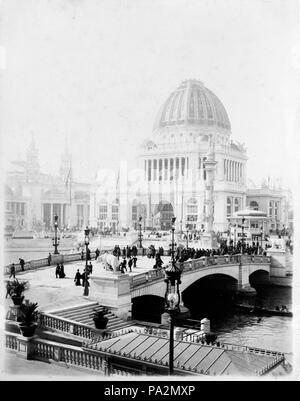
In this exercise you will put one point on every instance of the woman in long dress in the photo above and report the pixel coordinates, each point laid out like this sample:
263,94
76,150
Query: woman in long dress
77,278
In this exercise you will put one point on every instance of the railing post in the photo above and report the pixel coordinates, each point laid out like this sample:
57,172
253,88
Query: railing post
26,347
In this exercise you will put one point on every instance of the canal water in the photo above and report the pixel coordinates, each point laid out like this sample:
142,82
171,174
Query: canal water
233,326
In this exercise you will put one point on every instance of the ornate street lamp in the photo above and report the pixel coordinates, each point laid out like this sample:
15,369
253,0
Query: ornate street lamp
86,241
140,231
187,236
55,239
243,227
229,233
172,296
261,236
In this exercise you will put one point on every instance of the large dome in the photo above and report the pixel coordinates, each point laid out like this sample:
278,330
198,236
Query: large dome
192,104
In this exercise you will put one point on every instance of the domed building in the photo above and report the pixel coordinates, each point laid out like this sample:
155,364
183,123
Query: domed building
191,168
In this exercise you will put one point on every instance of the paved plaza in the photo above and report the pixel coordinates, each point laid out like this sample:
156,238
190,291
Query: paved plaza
54,293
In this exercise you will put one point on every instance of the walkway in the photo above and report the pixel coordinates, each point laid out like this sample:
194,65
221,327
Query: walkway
53,293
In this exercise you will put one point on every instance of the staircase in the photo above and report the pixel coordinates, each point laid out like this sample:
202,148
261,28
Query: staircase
84,314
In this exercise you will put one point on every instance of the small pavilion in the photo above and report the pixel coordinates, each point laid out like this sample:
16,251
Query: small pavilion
256,225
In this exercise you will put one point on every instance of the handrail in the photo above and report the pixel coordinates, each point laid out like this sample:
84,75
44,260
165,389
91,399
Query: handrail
60,258
65,325
196,264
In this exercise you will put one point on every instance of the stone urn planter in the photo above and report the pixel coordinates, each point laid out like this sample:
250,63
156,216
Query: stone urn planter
28,319
17,300
15,289
27,330
100,320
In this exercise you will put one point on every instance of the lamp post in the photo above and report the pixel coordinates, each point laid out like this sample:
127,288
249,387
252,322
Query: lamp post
55,239
187,236
229,233
243,227
261,236
140,231
86,241
172,297
234,235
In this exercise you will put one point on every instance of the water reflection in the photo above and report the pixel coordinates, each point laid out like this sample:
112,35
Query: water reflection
273,332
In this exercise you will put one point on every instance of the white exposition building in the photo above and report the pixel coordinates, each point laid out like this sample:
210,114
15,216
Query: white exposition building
190,168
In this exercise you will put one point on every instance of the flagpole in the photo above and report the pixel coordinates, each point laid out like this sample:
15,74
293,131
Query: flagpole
70,194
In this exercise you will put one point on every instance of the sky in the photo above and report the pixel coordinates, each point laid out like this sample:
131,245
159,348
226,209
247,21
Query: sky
95,73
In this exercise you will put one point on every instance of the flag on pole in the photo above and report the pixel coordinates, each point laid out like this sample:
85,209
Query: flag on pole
68,183
118,180
68,178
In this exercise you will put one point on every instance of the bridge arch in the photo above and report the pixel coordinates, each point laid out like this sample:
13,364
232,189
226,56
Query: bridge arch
148,308
210,294
228,270
260,276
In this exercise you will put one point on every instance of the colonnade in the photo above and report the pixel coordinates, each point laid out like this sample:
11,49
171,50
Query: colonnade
234,171
166,169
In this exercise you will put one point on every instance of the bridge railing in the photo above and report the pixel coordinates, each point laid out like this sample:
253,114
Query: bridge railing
196,264
38,263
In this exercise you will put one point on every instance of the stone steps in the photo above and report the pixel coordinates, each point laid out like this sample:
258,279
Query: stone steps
84,314
79,313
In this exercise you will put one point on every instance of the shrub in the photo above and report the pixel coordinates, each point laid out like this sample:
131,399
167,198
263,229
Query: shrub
29,313
16,288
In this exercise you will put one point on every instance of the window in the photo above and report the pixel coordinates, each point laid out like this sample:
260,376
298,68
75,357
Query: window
236,204
276,207
192,210
103,211
182,166
270,208
204,172
166,170
229,206
149,170
134,213
154,170
254,205
171,169
160,170
115,210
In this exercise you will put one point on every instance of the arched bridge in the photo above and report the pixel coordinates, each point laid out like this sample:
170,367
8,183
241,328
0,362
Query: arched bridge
117,291
238,267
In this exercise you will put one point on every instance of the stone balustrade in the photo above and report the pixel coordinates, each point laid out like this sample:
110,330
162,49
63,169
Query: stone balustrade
44,350
38,263
90,357
11,341
65,325
195,264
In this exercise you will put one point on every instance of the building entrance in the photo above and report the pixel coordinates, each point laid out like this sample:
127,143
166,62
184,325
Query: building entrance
163,214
